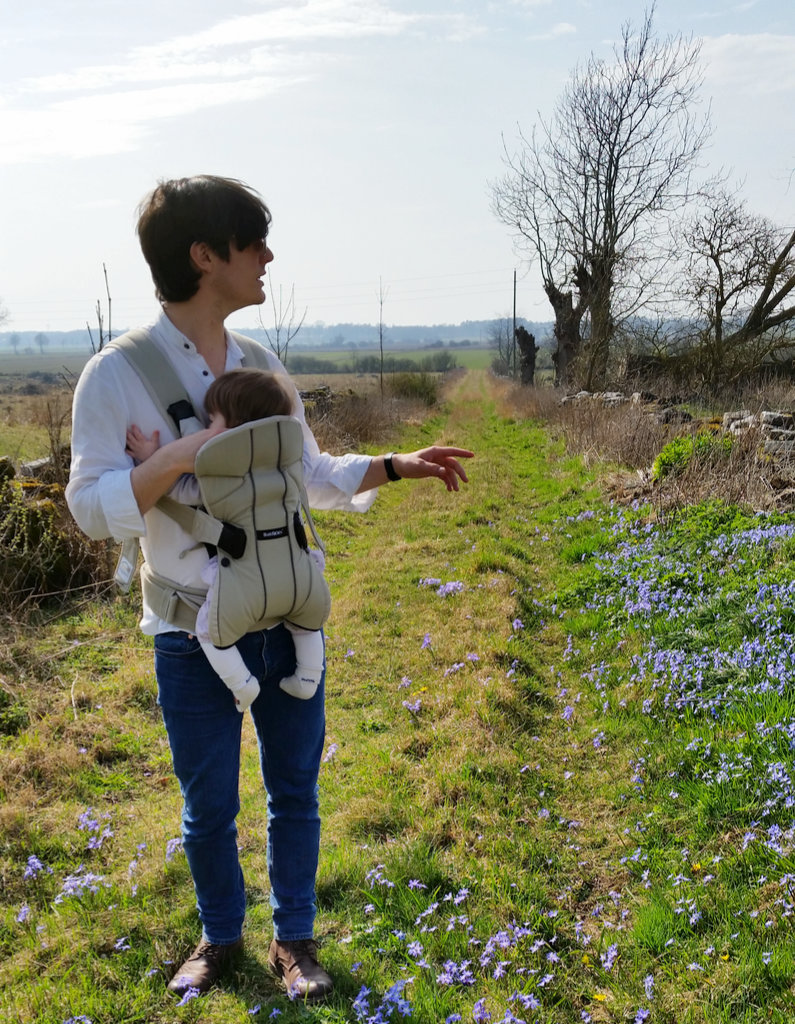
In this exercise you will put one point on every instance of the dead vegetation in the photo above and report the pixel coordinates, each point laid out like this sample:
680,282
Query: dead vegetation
629,436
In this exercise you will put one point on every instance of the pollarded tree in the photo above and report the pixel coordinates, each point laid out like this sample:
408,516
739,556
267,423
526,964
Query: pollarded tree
741,277
588,192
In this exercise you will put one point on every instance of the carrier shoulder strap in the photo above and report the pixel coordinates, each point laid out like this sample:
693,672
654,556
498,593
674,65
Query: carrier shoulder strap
254,354
159,378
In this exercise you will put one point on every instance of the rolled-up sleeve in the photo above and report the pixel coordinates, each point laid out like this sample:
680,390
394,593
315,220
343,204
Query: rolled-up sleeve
332,482
99,493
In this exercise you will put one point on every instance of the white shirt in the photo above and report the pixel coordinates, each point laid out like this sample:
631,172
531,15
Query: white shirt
110,398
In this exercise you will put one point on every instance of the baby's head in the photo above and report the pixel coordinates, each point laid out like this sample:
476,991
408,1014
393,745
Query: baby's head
246,394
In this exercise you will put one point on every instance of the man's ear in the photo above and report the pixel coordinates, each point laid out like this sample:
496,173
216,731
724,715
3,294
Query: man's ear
201,256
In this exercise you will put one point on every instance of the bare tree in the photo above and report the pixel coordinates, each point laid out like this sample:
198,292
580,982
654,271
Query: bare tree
4,314
104,336
15,341
741,273
588,192
286,323
42,341
502,338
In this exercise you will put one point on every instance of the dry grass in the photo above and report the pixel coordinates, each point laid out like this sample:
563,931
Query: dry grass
629,438
354,420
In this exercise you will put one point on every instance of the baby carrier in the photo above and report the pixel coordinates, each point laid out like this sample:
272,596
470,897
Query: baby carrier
252,488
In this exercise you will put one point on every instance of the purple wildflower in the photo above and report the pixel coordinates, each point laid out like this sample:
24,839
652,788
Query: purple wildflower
173,847
34,867
479,1012
190,993
609,958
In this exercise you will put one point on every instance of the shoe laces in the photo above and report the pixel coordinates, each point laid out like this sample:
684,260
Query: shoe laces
209,951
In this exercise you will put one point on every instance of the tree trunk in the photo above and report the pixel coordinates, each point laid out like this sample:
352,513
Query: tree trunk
527,352
597,288
566,332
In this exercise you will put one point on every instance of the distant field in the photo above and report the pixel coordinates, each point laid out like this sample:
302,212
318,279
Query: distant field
469,358
54,361
26,363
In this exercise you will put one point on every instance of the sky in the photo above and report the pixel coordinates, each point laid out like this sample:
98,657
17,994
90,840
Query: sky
372,129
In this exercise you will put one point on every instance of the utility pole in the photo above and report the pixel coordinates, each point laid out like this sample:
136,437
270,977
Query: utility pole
513,334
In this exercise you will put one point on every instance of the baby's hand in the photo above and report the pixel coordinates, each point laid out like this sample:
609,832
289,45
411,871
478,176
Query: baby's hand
139,446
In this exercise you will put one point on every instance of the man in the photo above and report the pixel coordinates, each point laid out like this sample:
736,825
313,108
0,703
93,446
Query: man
205,240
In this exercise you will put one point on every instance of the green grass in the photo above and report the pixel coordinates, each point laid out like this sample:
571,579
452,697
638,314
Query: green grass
468,815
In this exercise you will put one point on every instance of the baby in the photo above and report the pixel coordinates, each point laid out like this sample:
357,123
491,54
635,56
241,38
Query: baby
237,397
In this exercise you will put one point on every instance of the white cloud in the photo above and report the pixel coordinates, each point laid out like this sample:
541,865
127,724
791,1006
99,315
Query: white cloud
113,122
755,65
242,57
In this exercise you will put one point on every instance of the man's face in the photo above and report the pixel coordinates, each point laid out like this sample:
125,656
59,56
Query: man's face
238,281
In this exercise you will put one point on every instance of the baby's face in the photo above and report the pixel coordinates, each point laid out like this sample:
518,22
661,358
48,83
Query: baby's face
217,423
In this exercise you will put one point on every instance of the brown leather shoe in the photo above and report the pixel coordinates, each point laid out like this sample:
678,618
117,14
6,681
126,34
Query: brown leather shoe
296,964
203,967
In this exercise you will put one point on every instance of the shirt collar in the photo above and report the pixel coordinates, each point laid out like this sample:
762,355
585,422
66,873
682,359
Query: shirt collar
174,337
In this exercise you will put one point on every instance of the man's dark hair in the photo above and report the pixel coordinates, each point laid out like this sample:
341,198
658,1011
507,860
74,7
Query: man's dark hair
217,211
247,394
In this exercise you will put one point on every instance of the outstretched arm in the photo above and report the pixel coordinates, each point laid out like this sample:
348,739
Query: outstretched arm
436,461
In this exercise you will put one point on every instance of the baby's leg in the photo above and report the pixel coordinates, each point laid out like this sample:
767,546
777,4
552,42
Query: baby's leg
309,663
229,665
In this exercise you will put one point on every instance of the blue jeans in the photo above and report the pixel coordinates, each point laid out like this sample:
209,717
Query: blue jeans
204,730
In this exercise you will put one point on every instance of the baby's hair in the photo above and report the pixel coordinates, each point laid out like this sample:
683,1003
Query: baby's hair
247,394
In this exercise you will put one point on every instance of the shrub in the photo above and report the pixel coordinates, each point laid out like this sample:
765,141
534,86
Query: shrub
42,553
419,387
678,454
